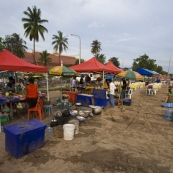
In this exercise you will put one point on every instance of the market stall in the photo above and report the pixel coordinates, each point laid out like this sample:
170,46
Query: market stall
64,72
12,63
94,66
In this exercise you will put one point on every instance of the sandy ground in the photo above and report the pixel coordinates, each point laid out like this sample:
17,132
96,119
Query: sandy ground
135,139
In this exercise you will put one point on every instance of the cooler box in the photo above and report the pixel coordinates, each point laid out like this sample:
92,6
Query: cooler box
100,98
24,138
102,102
84,99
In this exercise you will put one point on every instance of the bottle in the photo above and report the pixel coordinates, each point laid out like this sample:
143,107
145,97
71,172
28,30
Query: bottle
49,132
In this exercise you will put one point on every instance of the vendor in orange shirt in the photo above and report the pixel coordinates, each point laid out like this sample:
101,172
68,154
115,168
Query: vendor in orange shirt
31,93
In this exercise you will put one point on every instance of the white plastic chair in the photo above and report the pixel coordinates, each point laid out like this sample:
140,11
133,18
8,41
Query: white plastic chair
129,94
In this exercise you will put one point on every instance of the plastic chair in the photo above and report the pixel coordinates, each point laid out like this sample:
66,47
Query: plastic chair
129,94
37,109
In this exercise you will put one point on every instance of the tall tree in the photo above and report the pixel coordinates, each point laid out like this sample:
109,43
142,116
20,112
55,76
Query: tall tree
115,61
15,44
60,43
101,58
33,26
44,58
95,47
1,44
144,62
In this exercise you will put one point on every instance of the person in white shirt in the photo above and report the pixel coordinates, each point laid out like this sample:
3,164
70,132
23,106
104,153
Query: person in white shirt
112,93
74,83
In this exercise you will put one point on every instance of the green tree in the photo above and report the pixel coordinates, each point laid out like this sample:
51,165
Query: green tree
33,26
115,61
44,58
15,44
159,69
95,47
1,44
144,62
77,61
60,43
101,58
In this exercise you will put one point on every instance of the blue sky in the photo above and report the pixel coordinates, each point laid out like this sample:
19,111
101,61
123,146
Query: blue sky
126,28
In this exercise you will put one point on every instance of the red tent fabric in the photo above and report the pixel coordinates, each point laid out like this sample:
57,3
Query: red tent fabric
92,65
11,62
110,65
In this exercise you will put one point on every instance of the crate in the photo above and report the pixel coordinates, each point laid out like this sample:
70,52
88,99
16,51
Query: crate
24,138
4,120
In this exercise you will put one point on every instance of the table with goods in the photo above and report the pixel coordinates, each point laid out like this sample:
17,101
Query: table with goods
12,103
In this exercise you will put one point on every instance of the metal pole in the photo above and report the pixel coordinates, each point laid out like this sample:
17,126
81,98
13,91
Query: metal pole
168,74
47,85
79,47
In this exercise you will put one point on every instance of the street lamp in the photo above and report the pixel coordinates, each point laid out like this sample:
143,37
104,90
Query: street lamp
122,61
79,46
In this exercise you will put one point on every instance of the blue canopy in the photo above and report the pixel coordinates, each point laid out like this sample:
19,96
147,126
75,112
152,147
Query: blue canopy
146,72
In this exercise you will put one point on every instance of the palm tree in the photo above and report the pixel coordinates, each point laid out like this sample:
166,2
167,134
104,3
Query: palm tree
95,47
101,58
33,25
60,43
15,44
44,58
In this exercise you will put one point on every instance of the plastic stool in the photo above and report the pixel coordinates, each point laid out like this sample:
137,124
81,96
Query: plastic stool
61,105
49,108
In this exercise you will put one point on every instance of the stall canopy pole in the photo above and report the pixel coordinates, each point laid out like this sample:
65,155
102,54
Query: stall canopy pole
103,79
47,86
61,91
168,74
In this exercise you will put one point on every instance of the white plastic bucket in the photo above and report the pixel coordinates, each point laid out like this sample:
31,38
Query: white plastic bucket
68,131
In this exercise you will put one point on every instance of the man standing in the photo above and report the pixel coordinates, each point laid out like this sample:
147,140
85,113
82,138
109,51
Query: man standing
112,93
123,92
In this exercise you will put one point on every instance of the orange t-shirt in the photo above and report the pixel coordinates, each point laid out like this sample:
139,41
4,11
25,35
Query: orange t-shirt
32,91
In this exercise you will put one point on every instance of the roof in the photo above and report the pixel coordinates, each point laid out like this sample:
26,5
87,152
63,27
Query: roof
66,60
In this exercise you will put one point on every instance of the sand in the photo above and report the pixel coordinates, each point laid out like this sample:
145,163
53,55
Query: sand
132,139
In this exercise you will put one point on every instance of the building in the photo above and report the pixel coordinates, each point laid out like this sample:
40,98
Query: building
65,59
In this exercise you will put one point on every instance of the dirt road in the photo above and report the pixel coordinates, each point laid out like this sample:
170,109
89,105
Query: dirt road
132,139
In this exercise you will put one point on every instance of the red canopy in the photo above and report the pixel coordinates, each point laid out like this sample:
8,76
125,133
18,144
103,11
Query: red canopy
111,66
92,65
11,62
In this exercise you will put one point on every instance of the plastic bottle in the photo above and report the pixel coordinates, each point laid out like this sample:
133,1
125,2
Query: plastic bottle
49,132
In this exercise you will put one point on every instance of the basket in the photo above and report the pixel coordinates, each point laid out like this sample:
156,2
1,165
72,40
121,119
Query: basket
127,102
